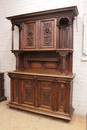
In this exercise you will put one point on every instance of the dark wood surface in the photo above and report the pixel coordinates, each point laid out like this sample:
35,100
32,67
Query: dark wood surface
2,96
43,79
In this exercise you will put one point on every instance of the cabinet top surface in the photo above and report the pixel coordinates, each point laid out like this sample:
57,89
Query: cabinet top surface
57,75
72,9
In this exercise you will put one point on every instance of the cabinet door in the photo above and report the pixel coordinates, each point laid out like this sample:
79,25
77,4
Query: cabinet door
46,95
47,34
29,35
28,92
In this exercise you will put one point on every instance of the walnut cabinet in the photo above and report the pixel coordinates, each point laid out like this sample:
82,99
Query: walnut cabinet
43,80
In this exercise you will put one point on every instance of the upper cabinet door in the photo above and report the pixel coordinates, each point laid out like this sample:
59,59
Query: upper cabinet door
47,35
29,35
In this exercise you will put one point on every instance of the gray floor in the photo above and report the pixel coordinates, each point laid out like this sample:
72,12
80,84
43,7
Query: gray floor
12,119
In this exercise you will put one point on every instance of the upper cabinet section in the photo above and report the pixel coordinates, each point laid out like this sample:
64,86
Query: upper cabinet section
46,30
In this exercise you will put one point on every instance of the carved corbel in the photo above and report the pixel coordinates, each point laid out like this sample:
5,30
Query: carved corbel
63,55
17,53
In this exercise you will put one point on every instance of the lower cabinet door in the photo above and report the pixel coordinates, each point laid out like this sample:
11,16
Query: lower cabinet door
28,92
46,95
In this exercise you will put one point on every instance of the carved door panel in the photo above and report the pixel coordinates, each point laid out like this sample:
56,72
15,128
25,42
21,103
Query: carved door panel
46,95
29,35
28,92
15,88
47,34
63,97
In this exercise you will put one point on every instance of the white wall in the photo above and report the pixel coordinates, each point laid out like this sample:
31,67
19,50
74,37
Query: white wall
7,59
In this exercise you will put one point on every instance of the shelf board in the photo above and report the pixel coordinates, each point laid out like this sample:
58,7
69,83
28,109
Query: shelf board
44,73
30,50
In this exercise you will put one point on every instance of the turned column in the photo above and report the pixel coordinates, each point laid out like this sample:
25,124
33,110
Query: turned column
20,33
12,36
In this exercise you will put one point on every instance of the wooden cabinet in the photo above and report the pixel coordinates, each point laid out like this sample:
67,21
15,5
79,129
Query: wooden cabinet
43,79
2,97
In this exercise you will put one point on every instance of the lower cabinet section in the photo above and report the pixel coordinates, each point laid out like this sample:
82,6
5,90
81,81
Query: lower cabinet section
45,95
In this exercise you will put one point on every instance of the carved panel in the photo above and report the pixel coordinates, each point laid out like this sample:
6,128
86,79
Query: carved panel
28,92
46,94
28,95
62,97
29,35
47,35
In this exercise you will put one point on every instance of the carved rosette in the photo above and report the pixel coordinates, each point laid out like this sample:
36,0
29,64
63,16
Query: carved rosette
47,33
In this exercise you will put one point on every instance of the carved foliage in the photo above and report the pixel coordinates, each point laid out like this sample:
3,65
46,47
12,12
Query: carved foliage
46,93
28,93
47,33
30,34
46,98
28,88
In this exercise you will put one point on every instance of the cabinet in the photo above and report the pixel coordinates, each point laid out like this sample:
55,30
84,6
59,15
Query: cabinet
2,97
43,80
